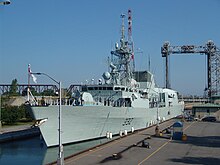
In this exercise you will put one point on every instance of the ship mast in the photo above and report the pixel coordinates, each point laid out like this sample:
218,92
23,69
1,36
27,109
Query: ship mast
122,29
130,39
121,72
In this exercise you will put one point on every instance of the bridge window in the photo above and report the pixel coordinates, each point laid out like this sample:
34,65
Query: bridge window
117,88
109,88
84,88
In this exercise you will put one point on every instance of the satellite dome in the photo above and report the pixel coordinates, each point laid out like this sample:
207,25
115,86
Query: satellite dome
106,75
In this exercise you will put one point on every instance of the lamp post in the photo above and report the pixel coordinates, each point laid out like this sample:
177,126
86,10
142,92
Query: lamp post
0,111
60,159
2,3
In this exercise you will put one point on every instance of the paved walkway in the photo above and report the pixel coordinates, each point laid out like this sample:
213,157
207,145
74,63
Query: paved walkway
7,129
13,133
202,147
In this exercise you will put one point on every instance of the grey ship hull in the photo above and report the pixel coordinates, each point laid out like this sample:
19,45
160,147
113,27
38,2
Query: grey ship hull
81,123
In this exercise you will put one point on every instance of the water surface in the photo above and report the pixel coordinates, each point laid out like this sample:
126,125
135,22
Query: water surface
34,152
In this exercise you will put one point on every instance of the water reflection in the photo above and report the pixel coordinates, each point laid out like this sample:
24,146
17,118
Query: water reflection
52,153
28,151
33,151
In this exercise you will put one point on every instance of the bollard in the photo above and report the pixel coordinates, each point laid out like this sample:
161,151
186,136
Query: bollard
184,137
120,133
157,131
107,135
110,135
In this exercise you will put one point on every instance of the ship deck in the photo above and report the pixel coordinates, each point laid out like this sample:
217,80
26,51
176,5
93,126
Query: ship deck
201,147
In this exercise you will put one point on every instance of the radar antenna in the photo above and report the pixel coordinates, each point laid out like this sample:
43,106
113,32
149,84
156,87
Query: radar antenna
130,39
121,70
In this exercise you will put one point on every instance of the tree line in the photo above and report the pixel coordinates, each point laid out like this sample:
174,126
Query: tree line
11,115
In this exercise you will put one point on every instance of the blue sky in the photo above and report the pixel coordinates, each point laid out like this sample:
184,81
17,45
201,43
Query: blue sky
71,39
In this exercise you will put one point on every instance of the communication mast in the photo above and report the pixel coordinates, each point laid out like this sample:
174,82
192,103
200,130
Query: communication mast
130,40
129,25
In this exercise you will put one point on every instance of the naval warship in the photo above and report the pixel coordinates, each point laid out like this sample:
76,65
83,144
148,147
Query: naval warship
123,101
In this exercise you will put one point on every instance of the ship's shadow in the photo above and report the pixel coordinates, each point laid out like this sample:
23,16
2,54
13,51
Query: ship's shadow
198,160
205,141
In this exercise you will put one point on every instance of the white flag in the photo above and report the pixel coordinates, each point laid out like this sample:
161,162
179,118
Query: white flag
33,76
